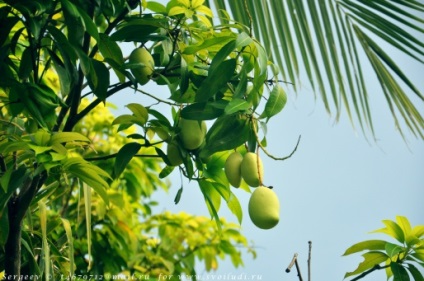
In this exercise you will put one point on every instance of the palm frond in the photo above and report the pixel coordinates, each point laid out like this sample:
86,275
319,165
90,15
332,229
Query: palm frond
335,43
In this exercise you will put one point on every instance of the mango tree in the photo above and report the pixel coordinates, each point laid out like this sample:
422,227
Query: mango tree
76,181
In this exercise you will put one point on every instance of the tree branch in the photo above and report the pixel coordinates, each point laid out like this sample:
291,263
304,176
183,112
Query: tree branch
365,273
91,106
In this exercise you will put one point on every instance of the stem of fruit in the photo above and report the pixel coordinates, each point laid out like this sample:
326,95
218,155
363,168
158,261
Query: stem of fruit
269,154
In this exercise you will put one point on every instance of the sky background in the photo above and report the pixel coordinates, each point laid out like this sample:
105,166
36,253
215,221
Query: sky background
336,188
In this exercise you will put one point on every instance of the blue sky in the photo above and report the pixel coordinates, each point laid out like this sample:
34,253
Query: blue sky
335,189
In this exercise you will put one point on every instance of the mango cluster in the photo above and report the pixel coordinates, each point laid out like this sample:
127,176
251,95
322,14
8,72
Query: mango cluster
264,206
249,168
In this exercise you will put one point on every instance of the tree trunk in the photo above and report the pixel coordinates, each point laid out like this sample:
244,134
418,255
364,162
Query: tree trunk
13,243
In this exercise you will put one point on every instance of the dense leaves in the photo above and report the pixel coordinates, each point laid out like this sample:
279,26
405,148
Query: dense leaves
398,260
77,180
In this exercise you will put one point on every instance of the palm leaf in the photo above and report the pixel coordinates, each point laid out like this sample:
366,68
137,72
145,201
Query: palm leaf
332,44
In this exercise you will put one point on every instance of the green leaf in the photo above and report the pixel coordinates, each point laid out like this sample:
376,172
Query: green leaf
88,173
139,111
201,111
65,137
138,32
393,250
371,259
74,22
418,231
25,67
207,43
111,50
399,272
89,25
392,229
228,132
166,171
178,195
236,105
276,102
235,207
68,231
217,79
124,156
365,245
87,204
416,274
127,119
212,199
99,79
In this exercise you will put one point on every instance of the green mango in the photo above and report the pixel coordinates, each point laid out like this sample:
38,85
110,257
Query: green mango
173,153
252,169
143,71
264,208
232,168
192,133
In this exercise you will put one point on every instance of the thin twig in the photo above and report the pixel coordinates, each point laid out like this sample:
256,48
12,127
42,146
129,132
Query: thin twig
309,260
291,263
154,97
298,270
269,154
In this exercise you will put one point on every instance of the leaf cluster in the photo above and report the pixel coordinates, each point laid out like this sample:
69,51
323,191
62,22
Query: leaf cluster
401,260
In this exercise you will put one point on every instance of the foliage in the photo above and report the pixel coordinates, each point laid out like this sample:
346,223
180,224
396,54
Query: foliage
75,180
399,260
337,45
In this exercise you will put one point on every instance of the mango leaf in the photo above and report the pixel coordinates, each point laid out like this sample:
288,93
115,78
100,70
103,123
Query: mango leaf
87,205
235,207
212,199
65,137
9,147
111,50
74,22
68,231
124,156
393,250
399,272
88,173
371,259
25,66
236,105
139,111
228,132
217,78
89,25
178,195
134,33
99,79
207,43
416,274
201,111
166,171
276,102
262,60
418,231
366,245
392,229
